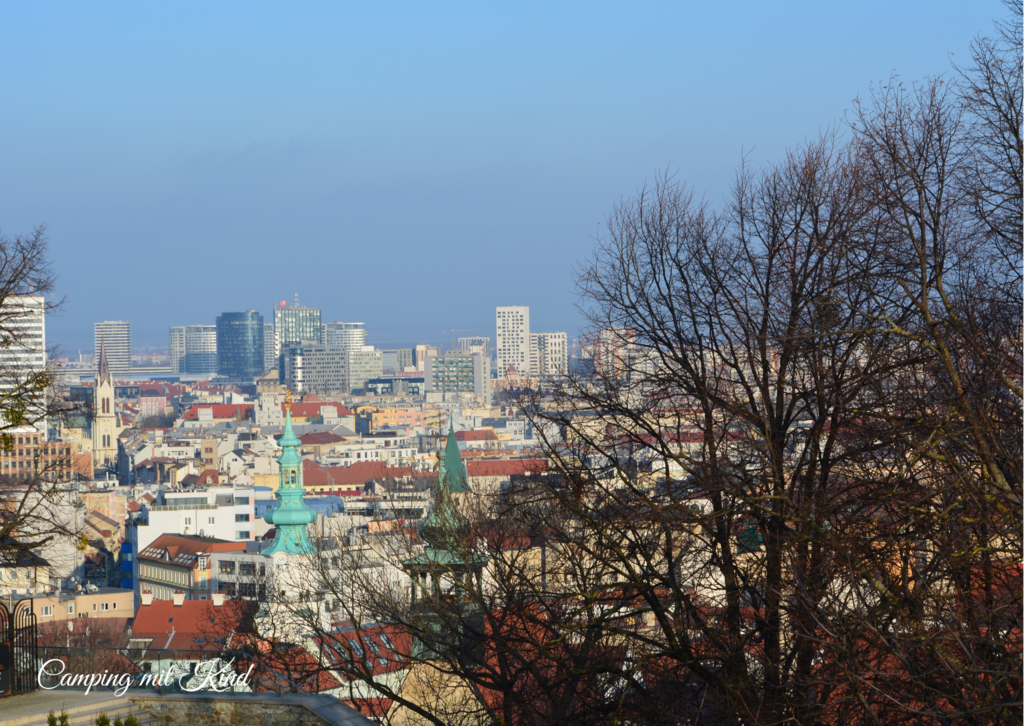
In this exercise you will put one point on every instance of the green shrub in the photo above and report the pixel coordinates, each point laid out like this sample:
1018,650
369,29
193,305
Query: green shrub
103,720
65,719
118,721
130,720
51,718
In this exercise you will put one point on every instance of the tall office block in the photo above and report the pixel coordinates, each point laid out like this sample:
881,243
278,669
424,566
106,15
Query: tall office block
193,349
549,354
25,358
293,326
116,336
513,340
240,345
351,336
475,344
269,359
459,373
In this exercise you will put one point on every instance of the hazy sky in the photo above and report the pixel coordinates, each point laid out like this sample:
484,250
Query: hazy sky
407,165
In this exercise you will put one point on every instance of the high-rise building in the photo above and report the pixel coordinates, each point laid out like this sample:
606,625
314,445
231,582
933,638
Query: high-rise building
396,360
240,345
269,358
25,357
116,337
343,335
293,326
549,354
420,354
513,340
313,367
475,344
193,349
459,373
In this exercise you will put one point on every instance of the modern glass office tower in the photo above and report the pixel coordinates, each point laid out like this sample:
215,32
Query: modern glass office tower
193,349
240,344
293,326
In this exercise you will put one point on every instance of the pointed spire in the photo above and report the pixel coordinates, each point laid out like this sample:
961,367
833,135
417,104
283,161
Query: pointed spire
291,515
451,472
103,370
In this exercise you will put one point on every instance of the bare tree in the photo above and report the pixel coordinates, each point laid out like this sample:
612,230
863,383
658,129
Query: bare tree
30,398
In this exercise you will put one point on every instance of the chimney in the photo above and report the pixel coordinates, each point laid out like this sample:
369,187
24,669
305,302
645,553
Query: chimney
147,597
218,599
179,598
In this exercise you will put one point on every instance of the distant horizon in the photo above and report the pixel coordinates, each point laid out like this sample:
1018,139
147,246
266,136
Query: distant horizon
411,169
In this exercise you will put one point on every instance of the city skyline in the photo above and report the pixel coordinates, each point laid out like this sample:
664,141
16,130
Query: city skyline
480,133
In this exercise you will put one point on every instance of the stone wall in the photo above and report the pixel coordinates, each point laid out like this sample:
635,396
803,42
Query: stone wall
226,709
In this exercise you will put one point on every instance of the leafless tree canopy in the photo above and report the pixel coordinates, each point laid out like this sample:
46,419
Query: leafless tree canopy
789,491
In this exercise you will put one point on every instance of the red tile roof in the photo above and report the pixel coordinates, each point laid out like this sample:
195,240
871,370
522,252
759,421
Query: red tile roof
321,437
184,551
312,409
477,435
209,476
220,410
196,624
506,467
314,475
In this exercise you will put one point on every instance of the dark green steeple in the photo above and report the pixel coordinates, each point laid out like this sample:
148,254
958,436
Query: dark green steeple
450,468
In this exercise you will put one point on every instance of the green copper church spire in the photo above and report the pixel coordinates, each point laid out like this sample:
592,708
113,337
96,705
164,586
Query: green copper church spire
450,469
291,515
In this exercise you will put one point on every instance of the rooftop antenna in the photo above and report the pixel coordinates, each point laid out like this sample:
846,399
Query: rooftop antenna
296,298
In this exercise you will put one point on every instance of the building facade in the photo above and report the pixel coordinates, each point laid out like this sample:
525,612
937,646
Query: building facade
476,344
24,359
193,349
269,354
116,335
240,345
512,346
343,335
396,360
459,373
295,325
315,368
549,353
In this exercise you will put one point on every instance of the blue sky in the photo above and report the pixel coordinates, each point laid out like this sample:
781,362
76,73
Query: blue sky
407,165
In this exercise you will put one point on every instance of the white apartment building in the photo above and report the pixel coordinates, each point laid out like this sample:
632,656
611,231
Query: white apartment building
343,335
549,353
25,357
193,349
513,339
269,354
222,512
116,337
476,344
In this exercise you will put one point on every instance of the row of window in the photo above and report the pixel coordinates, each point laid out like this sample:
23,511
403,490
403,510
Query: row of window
47,610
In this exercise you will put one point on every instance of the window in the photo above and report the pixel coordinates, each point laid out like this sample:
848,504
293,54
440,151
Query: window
241,500
241,517
47,611
94,607
226,567
247,568
242,534
188,521
106,607
114,606
71,608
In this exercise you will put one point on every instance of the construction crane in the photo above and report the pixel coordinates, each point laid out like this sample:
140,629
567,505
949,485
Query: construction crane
461,330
